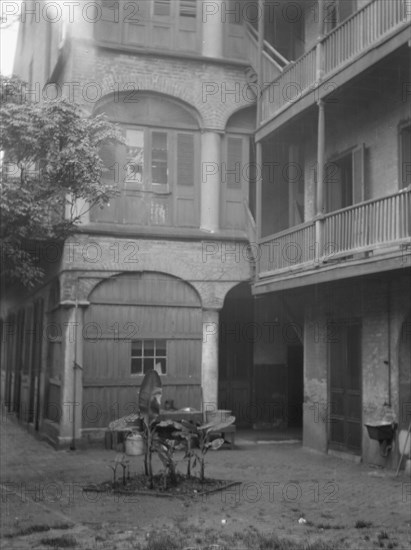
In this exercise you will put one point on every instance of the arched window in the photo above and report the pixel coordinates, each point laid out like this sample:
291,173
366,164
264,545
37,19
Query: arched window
156,170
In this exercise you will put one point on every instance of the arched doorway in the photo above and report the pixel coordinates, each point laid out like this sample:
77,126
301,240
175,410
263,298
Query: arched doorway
137,322
236,353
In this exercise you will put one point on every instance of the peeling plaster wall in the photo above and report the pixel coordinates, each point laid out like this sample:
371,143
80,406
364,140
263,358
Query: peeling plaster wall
382,305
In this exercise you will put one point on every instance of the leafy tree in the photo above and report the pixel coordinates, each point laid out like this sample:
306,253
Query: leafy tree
51,174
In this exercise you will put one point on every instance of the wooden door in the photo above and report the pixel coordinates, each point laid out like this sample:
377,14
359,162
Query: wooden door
345,387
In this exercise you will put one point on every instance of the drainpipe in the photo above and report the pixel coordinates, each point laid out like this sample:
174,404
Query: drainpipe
388,362
73,439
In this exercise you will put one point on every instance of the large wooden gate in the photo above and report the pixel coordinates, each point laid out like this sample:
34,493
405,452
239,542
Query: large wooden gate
135,322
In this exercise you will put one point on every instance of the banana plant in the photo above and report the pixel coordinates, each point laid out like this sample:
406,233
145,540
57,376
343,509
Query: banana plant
203,435
149,401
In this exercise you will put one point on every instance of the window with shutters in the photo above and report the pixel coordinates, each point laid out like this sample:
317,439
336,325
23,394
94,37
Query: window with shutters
157,169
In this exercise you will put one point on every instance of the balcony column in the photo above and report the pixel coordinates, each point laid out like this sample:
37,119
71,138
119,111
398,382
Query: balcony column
320,176
210,180
209,359
261,4
213,18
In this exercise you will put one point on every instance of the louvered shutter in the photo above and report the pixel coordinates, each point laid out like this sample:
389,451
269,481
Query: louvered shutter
185,159
234,162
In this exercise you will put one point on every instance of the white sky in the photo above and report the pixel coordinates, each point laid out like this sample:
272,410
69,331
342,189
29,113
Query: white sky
8,38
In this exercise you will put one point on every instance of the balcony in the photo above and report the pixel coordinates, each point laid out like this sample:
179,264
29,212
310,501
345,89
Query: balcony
351,39
372,228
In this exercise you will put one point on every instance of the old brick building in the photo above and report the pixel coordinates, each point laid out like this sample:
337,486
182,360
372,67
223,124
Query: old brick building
295,114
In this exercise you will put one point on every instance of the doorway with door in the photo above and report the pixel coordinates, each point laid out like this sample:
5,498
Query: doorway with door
345,414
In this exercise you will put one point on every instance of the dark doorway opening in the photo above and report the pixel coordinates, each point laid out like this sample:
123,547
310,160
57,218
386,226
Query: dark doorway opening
236,353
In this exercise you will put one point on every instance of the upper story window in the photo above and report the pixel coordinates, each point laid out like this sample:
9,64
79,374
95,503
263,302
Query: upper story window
157,170
158,24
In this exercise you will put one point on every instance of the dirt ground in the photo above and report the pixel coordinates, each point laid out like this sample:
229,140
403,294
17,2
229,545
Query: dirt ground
343,504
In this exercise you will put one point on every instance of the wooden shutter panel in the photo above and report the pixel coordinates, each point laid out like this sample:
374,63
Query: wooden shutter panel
185,159
234,162
358,173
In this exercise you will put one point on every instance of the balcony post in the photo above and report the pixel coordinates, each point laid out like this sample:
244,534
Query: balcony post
213,18
260,60
210,180
259,186
320,176
319,48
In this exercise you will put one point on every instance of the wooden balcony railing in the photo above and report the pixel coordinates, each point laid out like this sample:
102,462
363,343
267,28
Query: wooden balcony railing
290,85
287,249
356,34
364,226
360,31
369,226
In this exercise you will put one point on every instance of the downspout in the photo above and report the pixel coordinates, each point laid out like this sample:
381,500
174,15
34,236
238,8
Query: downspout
388,361
75,367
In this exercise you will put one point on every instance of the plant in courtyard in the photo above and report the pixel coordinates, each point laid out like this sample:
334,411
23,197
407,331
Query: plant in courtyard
51,175
121,461
203,434
149,403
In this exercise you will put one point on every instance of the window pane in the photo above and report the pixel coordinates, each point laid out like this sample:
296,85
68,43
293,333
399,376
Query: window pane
161,365
148,348
136,348
159,158
161,348
148,364
135,155
136,366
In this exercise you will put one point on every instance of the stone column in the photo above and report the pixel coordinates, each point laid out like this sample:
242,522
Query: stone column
212,18
209,359
210,180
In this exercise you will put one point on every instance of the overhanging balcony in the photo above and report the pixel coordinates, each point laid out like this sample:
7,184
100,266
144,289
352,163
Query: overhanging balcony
364,232
370,26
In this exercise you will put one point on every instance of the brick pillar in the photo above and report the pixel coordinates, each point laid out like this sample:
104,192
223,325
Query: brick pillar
209,359
210,180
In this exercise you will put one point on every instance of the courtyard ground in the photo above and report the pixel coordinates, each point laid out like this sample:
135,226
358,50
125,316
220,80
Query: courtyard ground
289,498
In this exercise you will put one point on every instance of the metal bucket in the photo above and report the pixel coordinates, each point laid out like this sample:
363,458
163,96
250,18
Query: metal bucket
134,445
